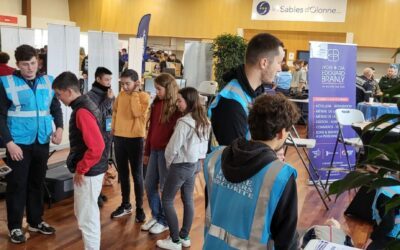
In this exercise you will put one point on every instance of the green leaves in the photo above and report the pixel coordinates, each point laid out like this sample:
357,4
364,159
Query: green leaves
228,52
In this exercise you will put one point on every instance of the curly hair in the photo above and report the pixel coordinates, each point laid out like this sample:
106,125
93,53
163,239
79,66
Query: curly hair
270,114
168,82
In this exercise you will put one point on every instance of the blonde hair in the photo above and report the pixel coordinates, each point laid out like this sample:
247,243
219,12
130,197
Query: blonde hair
168,82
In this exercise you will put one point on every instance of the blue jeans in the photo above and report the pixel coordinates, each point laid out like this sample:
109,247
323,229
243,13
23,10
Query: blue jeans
155,174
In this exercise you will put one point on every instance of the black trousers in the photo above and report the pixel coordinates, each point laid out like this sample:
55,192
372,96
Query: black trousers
129,151
25,185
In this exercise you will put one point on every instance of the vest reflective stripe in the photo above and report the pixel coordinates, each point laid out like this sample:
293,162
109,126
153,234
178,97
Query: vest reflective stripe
262,203
12,89
211,167
27,113
258,224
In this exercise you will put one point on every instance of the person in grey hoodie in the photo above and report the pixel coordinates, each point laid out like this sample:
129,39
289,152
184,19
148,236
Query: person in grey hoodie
186,147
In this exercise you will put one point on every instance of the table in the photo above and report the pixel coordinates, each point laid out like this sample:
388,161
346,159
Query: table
375,110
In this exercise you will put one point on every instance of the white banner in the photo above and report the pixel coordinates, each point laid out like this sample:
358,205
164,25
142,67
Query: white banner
136,49
197,59
103,52
300,10
13,37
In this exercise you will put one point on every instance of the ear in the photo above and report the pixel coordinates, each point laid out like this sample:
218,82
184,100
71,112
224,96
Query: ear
263,62
280,135
98,79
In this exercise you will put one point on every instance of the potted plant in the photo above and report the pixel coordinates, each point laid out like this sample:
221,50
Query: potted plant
385,156
228,52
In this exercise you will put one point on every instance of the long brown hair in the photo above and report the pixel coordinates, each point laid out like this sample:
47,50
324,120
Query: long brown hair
168,82
194,107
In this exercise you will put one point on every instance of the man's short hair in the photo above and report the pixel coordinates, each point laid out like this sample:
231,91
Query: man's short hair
298,62
25,53
261,46
101,71
66,80
4,57
270,114
285,67
131,74
124,50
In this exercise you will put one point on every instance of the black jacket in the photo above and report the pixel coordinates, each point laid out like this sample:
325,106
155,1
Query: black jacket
228,119
98,94
244,159
77,144
5,103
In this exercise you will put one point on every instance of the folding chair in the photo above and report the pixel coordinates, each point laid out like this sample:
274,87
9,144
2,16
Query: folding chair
305,144
346,117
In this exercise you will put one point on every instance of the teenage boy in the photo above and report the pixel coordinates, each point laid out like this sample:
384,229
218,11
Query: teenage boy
252,194
87,158
27,108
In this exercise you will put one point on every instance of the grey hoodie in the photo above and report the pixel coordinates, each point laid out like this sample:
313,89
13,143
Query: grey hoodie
185,145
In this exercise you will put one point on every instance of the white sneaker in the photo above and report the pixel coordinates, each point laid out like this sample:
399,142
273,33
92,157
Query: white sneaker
146,226
158,228
185,242
169,244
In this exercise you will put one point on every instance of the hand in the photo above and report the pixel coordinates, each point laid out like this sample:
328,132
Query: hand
110,94
112,131
137,86
15,151
79,179
56,137
145,160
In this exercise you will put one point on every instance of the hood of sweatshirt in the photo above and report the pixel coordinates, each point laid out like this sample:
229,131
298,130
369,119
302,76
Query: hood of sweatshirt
243,159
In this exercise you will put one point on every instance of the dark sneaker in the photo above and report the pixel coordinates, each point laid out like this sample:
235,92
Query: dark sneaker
122,210
42,228
140,216
17,236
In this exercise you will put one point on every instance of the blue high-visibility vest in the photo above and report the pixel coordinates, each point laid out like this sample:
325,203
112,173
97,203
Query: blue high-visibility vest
388,191
29,116
239,215
234,91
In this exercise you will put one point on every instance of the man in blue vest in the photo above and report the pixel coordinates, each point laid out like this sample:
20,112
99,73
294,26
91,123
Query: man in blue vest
252,194
27,109
229,110
387,227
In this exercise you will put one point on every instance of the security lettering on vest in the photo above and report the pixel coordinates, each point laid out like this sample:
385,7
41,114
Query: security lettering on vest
244,188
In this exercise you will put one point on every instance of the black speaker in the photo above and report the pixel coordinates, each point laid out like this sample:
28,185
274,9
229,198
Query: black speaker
59,183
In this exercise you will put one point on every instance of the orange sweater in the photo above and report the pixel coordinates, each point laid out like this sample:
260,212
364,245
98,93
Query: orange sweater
130,114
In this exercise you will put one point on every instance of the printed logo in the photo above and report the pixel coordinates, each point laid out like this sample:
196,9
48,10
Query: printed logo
333,55
263,8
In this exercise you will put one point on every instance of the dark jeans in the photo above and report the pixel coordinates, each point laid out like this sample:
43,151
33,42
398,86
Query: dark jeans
25,185
286,92
130,150
180,176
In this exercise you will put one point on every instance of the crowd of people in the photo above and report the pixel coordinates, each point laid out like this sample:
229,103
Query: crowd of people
251,195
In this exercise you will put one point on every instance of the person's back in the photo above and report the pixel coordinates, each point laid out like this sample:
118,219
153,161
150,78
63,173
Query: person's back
5,70
283,80
229,111
252,195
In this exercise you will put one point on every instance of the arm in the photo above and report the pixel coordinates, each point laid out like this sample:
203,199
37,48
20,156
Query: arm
284,220
114,115
229,121
147,145
93,139
139,104
176,141
56,112
4,106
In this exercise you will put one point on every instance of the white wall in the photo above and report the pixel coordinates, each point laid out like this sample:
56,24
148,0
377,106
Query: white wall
53,9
